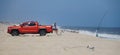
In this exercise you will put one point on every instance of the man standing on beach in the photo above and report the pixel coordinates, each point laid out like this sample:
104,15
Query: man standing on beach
55,28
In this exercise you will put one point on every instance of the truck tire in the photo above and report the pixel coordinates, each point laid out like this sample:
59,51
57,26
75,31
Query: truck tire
42,32
15,33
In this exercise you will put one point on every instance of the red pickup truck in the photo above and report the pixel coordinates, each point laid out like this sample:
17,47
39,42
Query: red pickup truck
30,27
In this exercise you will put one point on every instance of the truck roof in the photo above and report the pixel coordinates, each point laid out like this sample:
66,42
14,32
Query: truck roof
30,21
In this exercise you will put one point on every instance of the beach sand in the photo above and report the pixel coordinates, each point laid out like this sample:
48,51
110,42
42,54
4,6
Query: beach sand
66,44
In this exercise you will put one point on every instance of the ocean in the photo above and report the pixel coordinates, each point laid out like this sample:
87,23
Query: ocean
103,32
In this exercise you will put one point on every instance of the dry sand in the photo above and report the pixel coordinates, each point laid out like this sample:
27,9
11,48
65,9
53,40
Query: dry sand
66,44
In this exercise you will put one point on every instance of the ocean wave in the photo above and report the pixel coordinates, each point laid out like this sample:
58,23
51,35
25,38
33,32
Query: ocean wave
87,32
101,35
111,36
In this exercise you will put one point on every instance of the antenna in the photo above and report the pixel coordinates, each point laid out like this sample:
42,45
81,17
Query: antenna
101,20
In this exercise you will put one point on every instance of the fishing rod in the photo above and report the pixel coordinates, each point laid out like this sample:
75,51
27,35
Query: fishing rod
99,24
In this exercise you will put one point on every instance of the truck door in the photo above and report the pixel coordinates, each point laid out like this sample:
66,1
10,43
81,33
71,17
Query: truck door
30,27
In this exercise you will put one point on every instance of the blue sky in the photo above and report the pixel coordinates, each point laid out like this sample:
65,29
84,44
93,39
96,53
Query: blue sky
64,12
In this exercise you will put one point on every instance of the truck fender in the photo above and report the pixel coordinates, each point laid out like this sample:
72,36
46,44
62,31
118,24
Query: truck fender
42,29
15,30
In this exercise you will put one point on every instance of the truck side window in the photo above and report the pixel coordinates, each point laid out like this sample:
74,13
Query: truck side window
32,24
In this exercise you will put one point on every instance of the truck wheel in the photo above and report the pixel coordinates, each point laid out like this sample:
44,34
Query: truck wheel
42,32
15,33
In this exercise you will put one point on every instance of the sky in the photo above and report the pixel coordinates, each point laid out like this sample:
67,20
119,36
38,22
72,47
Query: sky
87,13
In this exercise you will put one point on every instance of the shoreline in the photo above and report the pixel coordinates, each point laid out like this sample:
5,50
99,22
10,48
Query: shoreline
117,37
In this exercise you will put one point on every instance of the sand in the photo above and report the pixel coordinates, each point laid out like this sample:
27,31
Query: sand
66,44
